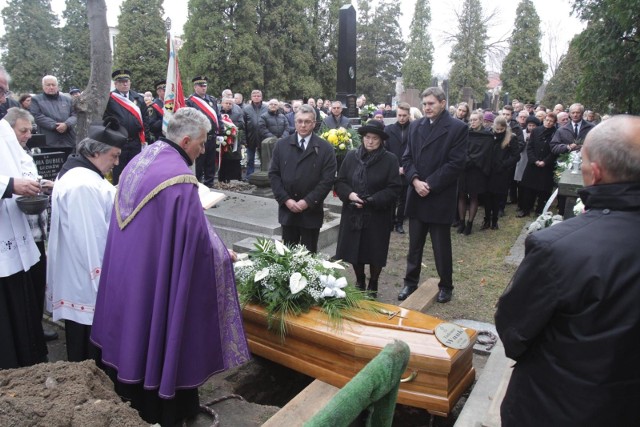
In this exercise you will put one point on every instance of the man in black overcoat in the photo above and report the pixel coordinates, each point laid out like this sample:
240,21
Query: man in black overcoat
434,159
302,172
397,143
569,317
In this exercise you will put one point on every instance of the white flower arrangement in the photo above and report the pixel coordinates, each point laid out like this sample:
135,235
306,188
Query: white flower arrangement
291,280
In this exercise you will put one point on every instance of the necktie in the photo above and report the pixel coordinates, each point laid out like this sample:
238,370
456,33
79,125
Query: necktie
302,144
575,130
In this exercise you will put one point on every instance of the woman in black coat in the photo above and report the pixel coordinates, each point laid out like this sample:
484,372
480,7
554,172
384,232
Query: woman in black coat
368,185
473,180
504,156
537,180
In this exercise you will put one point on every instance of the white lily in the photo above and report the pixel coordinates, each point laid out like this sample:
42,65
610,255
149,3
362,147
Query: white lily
334,265
333,286
297,282
261,274
280,247
243,263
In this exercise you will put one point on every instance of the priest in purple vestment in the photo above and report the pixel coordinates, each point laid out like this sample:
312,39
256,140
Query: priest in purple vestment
167,313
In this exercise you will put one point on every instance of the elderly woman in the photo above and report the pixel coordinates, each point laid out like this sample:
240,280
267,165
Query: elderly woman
368,185
21,331
537,180
22,123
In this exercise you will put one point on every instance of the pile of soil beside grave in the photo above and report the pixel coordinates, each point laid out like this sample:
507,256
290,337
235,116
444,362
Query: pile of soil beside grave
62,394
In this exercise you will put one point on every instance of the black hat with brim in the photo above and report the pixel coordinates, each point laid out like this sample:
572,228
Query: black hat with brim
121,74
109,132
160,84
373,126
199,80
74,90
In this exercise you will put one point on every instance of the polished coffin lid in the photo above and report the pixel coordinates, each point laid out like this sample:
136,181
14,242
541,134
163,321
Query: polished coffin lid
316,347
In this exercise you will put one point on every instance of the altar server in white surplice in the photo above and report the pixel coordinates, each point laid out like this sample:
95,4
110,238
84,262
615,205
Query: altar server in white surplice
81,203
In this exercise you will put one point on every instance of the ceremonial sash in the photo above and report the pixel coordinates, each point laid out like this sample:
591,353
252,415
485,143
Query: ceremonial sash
158,109
132,108
206,109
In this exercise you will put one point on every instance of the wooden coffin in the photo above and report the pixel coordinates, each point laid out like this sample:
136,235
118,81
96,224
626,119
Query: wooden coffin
313,346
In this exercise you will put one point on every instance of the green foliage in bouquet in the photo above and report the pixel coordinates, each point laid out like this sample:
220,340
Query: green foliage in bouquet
288,281
341,139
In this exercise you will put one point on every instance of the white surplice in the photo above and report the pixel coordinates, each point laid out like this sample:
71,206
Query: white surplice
82,201
18,251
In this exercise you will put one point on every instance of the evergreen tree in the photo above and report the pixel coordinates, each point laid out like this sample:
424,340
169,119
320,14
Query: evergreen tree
75,66
251,44
219,42
609,55
563,86
285,40
468,53
324,18
141,43
416,72
30,42
523,68
380,49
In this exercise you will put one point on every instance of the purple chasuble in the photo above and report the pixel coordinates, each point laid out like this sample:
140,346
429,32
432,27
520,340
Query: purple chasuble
167,312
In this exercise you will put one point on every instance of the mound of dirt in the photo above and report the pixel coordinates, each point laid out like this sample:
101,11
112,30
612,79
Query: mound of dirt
62,394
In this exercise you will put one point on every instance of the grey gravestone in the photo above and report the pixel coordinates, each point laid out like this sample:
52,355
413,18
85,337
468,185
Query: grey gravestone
346,76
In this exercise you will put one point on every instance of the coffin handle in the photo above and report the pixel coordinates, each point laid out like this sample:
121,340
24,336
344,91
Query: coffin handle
410,378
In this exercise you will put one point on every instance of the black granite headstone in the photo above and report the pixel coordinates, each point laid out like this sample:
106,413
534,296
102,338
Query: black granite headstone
346,78
49,164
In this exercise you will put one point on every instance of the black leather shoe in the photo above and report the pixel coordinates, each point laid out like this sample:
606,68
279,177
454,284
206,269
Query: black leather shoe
461,227
485,225
405,292
444,295
399,229
50,335
522,214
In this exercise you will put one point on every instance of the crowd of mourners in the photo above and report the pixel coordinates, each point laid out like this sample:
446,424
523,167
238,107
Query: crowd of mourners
140,277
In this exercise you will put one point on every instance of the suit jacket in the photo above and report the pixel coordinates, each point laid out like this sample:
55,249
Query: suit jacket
564,136
297,175
436,153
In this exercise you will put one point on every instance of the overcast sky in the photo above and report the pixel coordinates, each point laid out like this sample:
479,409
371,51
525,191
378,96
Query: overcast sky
556,22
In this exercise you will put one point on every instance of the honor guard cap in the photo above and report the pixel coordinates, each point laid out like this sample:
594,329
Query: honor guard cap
109,132
160,84
121,75
200,80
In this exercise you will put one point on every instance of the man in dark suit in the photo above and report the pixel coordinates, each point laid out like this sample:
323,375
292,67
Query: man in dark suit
207,105
302,171
397,143
435,156
128,107
569,138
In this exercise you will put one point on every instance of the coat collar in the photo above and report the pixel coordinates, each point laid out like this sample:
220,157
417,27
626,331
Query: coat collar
430,132
619,196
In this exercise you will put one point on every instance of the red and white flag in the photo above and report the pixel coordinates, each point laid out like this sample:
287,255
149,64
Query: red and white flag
173,96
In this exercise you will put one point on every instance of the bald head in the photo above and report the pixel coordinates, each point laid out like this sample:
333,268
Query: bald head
611,151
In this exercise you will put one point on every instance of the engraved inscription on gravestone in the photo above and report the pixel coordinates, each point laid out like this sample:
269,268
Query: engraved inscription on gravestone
49,164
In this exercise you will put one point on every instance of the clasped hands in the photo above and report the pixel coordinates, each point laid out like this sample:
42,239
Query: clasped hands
421,187
296,207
